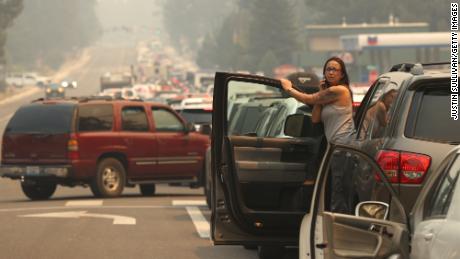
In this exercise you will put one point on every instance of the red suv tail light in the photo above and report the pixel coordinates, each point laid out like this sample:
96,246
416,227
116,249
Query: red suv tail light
72,149
403,167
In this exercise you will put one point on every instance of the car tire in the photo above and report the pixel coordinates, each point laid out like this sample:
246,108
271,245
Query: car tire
109,180
38,190
147,189
270,252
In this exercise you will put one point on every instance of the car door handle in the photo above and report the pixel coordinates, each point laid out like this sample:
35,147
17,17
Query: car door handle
428,236
321,245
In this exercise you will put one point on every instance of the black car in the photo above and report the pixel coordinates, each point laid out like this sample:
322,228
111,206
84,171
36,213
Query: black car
54,90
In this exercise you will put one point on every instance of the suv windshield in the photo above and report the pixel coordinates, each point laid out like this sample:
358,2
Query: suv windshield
42,118
434,114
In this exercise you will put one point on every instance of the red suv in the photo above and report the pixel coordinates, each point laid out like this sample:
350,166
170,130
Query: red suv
106,144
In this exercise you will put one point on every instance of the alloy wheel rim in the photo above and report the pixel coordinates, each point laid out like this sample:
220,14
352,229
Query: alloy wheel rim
110,179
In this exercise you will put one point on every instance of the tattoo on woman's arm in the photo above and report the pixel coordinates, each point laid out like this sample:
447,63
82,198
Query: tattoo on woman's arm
325,96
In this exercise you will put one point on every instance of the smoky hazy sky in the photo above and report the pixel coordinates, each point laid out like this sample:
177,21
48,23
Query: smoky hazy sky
140,13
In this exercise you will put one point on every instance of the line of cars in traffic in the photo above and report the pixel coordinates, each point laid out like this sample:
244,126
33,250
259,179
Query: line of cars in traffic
267,174
271,191
107,142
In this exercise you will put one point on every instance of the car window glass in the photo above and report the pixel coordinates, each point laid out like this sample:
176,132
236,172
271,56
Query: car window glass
377,114
440,199
166,121
39,118
434,113
346,186
277,124
258,110
197,116
134,119
95,117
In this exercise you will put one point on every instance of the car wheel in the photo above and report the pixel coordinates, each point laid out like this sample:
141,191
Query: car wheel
147,189
110,179
38,190
270,252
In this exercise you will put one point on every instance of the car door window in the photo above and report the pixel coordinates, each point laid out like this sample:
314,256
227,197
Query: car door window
377,113
134,119
97,117
166,121
438,203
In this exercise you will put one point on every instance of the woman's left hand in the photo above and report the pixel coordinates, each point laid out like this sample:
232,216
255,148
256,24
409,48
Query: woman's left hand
286,84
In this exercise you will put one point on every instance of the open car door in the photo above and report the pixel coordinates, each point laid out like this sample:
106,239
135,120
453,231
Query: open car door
261,186
371,229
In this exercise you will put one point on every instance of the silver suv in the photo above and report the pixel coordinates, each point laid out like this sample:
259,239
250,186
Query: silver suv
404,122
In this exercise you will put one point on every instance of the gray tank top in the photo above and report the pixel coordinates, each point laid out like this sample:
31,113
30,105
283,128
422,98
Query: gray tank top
338,123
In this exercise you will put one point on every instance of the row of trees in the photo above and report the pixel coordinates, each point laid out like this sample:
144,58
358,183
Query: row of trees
258,35
9,9
48,31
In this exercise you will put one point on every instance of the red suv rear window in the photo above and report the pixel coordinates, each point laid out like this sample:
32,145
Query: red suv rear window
42,118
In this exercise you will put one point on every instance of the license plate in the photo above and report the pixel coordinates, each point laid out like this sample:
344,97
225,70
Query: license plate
32,170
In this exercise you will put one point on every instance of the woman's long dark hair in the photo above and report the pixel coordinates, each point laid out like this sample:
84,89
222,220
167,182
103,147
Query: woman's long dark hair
344,80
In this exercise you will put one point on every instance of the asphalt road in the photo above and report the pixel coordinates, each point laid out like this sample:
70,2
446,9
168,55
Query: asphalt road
73,224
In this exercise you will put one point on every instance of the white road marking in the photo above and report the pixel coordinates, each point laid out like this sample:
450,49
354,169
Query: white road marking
201,224
105,207
117,220
84,203
189,203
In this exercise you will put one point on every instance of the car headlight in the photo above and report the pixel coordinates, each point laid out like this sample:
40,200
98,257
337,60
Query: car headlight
64,84
48,90
61,90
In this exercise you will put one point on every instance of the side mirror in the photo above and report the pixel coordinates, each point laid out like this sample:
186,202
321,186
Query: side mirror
189,127
298,125
204,129
372,209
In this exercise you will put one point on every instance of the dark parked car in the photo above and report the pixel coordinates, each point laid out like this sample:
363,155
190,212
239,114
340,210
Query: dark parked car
106,144
54,90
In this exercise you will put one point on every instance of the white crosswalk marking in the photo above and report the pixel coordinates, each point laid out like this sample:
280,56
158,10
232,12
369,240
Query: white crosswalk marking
189,203
84,203
201,224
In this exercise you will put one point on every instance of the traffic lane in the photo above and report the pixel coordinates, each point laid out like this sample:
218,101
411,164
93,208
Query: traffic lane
104,59
80,199
11,193
163,232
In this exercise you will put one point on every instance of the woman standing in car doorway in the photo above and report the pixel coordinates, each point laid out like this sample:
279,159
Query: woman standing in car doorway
333,102
333,106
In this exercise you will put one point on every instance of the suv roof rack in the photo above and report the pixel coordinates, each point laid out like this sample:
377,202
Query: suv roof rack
417,68
105,98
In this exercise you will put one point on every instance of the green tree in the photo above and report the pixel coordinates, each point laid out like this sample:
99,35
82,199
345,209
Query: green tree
272,28
9,9
268,62
206,56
